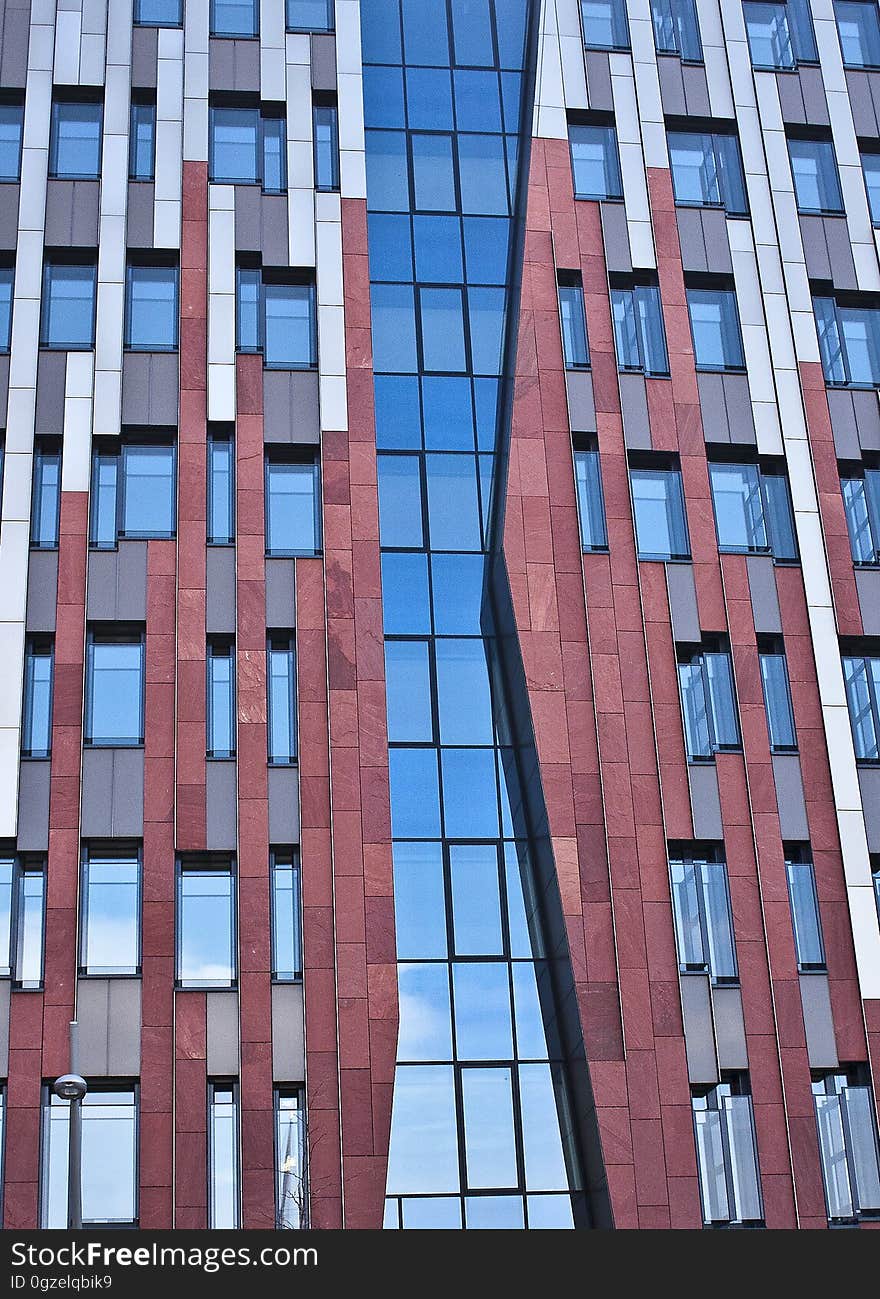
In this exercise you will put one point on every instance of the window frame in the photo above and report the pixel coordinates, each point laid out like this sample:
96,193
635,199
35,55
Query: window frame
582,449
836,1084
570,285
728,306
214,1086
119,637
796,33
823,173
278,861
865,5
97,1086
51,266
868,476
331,107
726,201
667,467
123,852
139,21
629,296
695,657
730,1087
60,101
619,19
195,864
24,865
220,648
698,860
7,277
253,34
37,646
676,15
220,437
772,544
282,642
262,113
140,102
281,1092
827,309
331,17
800,862
610,160
864,657
777,652
46,451
271,459
254,276
15,101
132,267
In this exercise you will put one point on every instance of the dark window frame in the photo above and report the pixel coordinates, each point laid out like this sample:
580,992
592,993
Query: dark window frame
220,436
611,156
322,103
282,642
633,292
262,112
139,21
192,863
619,19
654,463
52,264
118,636
583,447
292,27
695,656
24,864
7,276
96,1086
730,1085
278,858
275,456
713,132
253,34
132,266
14,100
220,648
262,280
139,103
69,99
285,1091
215,1085
571,283
799,138
37,646
95,850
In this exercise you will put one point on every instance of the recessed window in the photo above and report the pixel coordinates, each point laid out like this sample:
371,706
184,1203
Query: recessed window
248,146
591,505
715,329
109,1157
221,487
310,15
595,162
291,1191
11,121
708,701
605,25
658,505
158,13
707,170
142,140
849,341
68,317
861,674
816,181
22,920
110,910
325,130
752,509
292,515
7,285
858,26
860,485
220,666
114,689
133,492
727,1153
46,498
847,1125
676,29
780,34
639,335
777,695
871,171
575,351
224,1168
151,309
205,924
702,912
278,318
287,962
281,681
36,734
235,18
804,902
75,139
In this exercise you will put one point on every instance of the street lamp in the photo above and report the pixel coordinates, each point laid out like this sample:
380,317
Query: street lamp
71,1087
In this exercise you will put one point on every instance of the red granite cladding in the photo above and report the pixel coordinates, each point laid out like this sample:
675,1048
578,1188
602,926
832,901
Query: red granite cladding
190,1111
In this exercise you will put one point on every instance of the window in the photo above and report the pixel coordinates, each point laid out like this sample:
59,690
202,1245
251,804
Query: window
591,505
605,25
595,163
875,875
114,689
133,492
858,26
287,964
110,908
224,1176
46,499
291,1192
278,318
871,170
292,517
861,674
708,702
702,913
752,507
849,342
7,283
861,501
11,120
848,1142
777,696
75,140
158,13
248,146
639,336
658,505
804,908
151,310
68,319
574,322
220,664
109,1157
780,34
325,130
36,735
205,924
676,30
221,487
281,677
707,171
715,329
235,18
142,140
310,15
22,920
727,1154
814,170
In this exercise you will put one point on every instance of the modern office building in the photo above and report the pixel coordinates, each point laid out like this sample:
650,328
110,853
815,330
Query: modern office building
440,612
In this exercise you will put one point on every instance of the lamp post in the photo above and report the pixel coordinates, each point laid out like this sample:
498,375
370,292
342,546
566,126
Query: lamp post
71,1087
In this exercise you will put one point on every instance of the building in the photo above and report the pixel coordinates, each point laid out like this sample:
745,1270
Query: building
440,611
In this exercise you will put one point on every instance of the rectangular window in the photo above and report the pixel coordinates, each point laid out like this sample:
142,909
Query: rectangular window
605,25
75,139
277,318
715,329
780,34
235,18
816,181
727,1154
858,26
861,674
134,492
325,130
22,920
591,504
68,315
595,163
7,286
707,170
11,122
871,170
752,510
46,496
224,1165
281,678
114,689
206,956
676,30
221,488
703,916
151,309
220,665
848,1144
849,343
777,697
804,902
110,909
708,702
658,505
639,336
36,732
287,965
292,515
248,147
158,13
310,15
861,501
103,503
109,1157
575,351
142,140
291,1190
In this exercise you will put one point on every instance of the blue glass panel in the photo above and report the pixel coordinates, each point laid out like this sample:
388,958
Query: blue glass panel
408,685
419,901
476,901
485,247
438,249
394,329
387,171
429,99
442,329
550,1212
431,1213
453,508
458,594
493,1212
531,1039
415,798
510,26
486,312
405,600
472,33
383,97
483,175
425,1017
390,249
464,700
486,403
424,1147
380,32
477,101
400,501
397,412
511,99
448,413
542,1147
481,991
425,37
433,173
470,795
490,1145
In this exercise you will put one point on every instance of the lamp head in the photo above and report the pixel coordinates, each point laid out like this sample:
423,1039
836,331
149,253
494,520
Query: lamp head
70,1087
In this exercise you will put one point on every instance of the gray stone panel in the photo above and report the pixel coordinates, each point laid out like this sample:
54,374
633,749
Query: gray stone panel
844,424
140,216
862,103
51,383
274,239
234,65
615,236
14,45
683,607
764,596
280,594
598,67
790,797
96,796
866,410
220,594
108,1012
813,92
696,90
150,388
323,62
868,586
713,410
791,98
815,247
869,783
716,241
873,80
738,405
85,213
144,57
581,406
283,805
634,410
9,200
705,800
699,1035
42,592
117,585
222,1034
843,271
248,218
288,1037
220,798
33,806
59,213
113,793
730,1033
818,1022
690,235
291,408
671,85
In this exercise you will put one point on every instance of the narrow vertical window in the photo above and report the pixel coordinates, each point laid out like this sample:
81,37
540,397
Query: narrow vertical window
591,506
727,1153
574,322
861,502
708,702
221,488
221,699
291,1187
848,1144
804,903
777,697
142,140
861,675
46,502
325,128
22,920
36,738
702,913
286,916
281,677
111,912
224,1179
103,521
274,145
639,335
11,123
7,284
205,924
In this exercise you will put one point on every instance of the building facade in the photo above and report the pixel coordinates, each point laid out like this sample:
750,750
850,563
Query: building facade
440,612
